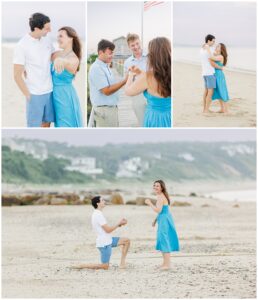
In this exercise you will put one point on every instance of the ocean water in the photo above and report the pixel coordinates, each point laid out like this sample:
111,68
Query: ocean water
239,196
239,59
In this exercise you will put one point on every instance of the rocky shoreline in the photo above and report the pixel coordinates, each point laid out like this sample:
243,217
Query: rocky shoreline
115,197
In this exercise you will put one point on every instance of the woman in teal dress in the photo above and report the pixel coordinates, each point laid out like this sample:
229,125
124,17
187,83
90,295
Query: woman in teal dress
220,93
64,67
155,84
167,239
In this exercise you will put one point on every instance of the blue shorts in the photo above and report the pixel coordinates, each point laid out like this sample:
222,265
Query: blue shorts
105,252
40,110
210,81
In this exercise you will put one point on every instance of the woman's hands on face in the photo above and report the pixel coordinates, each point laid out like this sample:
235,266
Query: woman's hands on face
59,65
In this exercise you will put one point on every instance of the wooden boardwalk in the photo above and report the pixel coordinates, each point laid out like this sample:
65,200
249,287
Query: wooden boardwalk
126,115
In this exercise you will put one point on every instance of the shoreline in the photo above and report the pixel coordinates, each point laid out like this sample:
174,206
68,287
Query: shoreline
230,69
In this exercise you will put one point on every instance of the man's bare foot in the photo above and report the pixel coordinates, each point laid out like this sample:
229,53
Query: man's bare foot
221,111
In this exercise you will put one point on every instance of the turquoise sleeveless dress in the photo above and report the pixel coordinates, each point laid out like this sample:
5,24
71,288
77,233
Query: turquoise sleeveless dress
65,100
157,112
221,91
167,239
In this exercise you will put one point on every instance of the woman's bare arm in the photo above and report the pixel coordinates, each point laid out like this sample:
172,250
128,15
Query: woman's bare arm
135,87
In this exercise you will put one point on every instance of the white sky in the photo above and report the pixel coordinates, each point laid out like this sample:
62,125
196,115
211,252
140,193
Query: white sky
86,137
110,20
15,16
233,23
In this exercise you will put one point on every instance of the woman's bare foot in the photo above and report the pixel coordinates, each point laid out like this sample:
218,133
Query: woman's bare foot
165,268
123,266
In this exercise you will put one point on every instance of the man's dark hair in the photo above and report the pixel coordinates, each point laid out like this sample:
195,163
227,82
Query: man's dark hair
209,37
95,201
38,20
105,44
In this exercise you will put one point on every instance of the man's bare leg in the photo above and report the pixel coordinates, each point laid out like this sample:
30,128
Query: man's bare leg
204,98
208,101
45,124
91,267
125,243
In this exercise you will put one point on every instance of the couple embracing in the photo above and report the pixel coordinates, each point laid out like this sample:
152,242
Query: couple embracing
44,75
147,79
213,61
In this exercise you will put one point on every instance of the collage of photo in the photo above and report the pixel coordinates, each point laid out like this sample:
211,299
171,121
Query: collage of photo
128,149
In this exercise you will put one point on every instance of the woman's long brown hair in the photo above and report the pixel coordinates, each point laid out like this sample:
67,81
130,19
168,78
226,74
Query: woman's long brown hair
159,62
163,189
224,53
77,48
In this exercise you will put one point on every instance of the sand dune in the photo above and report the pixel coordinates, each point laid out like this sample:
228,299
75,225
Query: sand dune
188,91
217,257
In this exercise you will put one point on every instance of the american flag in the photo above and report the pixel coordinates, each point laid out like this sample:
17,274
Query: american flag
148,4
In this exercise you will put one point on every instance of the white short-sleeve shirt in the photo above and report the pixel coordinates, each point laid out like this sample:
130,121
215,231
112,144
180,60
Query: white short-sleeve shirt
35,56
207,68
98,220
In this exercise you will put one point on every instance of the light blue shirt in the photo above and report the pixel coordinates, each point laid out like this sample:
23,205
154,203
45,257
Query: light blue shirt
141,62
101,76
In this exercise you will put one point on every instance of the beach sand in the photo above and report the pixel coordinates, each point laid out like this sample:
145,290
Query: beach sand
188,91
217,257
14,103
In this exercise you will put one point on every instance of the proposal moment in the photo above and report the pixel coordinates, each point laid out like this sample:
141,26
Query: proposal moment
129,64
118,208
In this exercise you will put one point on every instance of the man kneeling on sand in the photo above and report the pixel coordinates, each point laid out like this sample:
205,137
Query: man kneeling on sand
105,242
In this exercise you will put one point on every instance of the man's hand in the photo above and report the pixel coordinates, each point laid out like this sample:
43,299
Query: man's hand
122,222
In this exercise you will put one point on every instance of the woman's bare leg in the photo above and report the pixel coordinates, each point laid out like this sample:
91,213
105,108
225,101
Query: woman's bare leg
166,265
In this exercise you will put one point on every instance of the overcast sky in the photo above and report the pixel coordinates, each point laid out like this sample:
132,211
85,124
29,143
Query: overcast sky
234,23
84,137
110,20
15,16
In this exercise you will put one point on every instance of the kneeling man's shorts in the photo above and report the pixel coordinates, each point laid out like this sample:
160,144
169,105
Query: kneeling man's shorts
105,252
40,109
210,81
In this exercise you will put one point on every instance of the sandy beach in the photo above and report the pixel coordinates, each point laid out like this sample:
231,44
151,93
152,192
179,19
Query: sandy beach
217,257
188,91
13,102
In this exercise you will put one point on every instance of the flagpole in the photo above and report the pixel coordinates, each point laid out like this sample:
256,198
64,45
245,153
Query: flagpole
142,24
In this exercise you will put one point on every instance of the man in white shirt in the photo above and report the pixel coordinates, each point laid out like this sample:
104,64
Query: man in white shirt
32,71
105,242
208,72
138,59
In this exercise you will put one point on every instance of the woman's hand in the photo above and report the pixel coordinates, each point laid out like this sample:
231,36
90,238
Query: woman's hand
135,70
147,202
154,223
59,65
